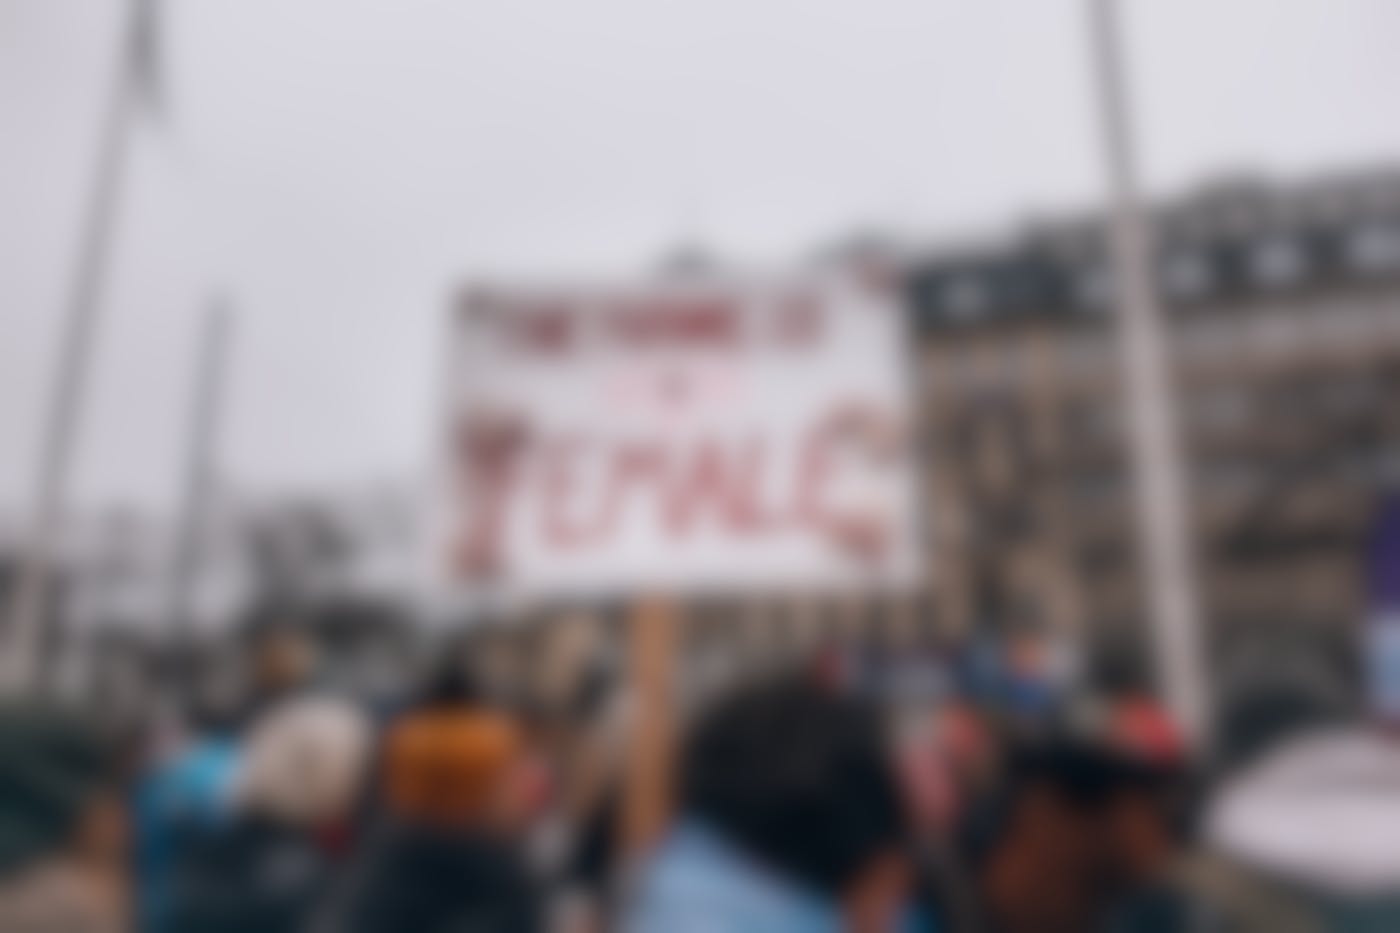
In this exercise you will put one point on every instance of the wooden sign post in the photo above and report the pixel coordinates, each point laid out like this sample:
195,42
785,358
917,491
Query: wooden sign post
649,768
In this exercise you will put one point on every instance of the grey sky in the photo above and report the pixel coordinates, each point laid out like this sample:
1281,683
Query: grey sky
336,166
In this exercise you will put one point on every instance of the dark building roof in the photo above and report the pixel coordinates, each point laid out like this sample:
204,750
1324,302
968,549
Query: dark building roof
1226,243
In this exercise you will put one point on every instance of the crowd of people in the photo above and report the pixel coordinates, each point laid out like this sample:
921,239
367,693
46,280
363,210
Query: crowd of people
818,797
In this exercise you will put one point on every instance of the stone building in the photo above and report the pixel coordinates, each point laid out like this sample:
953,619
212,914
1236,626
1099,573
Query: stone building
1283,309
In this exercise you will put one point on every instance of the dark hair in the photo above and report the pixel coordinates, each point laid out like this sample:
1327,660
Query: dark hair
451,685
1084,773
798,777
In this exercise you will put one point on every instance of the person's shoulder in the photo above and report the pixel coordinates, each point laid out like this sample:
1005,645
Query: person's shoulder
698,881
1205,891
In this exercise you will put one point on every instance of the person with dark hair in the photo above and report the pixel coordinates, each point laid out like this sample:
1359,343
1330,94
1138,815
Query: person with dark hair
1089,820
454,685
282,662
62,826
790,820
445,854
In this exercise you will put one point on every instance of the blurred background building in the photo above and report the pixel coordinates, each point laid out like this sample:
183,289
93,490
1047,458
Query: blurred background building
1286,353
344,566
1285,313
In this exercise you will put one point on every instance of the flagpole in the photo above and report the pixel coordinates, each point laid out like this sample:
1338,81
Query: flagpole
1163,513
205,417
64,412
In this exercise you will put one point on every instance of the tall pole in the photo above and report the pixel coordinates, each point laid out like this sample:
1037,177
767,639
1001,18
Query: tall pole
1163,516
63,416
205,419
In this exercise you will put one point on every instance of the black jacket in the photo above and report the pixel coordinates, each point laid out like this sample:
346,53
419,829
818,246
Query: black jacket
434,881
253,874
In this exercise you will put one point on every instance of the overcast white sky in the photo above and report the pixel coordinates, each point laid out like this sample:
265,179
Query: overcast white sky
337,166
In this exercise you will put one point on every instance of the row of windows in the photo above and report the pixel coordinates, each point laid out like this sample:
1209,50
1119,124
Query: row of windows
1027,285
1260,334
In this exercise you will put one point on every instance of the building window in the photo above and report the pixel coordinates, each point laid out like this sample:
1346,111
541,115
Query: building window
1228,479
1278,263
1208,339
1374,249
1276,332
1387,315
1224,408
1186,276
1344,325
1093,287
966,298
1086,354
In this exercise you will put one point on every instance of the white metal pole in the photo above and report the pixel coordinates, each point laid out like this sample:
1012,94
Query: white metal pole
1163,515
63,416
205,416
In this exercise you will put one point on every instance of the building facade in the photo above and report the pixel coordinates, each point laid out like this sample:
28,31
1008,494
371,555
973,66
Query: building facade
1283,309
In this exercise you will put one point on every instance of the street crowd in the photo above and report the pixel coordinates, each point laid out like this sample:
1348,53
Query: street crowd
971,796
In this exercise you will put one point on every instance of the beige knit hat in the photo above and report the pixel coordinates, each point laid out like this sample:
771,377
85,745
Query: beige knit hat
306,761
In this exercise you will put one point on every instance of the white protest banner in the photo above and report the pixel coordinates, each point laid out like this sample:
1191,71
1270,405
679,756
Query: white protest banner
679,437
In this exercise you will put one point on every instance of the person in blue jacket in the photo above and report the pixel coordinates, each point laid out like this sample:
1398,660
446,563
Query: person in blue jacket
790,821
184,794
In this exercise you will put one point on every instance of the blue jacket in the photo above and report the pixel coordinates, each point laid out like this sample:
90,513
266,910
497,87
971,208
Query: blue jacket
173,803
698,883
